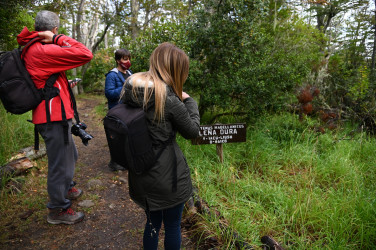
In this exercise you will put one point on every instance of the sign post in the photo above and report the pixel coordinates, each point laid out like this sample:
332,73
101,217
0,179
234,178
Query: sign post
221,133
220,151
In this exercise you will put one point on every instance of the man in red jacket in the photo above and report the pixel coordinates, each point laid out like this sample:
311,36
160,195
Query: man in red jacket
54,54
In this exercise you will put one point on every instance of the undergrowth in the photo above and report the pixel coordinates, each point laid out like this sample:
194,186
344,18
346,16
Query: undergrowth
303,188
16,133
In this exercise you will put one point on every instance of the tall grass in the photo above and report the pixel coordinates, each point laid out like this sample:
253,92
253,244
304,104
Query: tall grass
307,190
16,133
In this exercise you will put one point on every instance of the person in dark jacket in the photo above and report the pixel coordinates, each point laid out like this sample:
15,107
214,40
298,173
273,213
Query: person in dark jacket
163,190
114,84
116,77
56,53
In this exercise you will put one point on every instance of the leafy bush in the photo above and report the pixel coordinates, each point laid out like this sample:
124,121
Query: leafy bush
14,17
350,91
241,62
142,47
102,62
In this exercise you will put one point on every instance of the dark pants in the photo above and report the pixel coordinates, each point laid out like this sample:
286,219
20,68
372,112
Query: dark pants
171,219
61,163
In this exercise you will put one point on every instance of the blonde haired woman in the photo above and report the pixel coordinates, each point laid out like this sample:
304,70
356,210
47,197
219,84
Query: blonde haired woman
164,189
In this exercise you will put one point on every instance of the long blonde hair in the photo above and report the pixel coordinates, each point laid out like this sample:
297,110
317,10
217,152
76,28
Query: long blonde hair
169,66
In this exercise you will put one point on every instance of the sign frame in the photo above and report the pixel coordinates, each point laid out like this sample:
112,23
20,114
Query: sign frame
219,134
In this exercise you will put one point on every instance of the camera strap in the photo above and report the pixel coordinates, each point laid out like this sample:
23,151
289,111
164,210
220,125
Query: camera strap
73,99
65,124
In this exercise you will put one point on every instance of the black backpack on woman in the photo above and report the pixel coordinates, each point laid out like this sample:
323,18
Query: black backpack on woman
129,140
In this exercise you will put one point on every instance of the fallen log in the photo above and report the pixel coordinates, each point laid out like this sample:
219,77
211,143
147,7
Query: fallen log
195,209
16,167
21,163
30,153
270,243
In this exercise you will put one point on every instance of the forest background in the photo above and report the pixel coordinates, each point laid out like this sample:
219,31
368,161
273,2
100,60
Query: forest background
301,74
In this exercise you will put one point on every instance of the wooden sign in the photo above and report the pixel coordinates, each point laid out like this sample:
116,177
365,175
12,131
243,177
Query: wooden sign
221,133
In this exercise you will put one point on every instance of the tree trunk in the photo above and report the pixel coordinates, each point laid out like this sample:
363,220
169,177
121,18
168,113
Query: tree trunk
75,88
147,19
373,52
79,19
106,41
135,8
95,47
331,14
93,27
275,15
190,6
73,22
74,70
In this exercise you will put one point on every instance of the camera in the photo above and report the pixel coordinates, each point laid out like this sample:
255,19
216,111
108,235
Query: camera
79,130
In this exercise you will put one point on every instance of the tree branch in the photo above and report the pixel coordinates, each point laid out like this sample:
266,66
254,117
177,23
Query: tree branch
95,47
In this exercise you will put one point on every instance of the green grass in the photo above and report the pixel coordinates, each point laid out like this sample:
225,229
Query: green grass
32,195
102,109
307,190
16,133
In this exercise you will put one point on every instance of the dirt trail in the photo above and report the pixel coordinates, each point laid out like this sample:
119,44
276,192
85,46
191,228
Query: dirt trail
114,222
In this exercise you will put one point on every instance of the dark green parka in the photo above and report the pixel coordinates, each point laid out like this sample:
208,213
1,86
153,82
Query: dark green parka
155,186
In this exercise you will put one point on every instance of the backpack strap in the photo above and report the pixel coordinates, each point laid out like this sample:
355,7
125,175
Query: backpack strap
47,93
36,138
27,46
129,72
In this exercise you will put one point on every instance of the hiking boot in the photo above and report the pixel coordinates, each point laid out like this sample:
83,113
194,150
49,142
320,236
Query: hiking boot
74,193
64,216
115,167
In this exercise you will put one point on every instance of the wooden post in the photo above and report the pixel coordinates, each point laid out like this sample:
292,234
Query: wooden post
220,151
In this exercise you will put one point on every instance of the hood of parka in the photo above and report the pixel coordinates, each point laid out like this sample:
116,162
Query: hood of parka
137,99
25,36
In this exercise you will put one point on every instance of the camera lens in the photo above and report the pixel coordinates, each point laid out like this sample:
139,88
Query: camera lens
79,130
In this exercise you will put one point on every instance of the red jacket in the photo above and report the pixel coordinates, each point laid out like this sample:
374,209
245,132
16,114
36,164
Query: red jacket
43,60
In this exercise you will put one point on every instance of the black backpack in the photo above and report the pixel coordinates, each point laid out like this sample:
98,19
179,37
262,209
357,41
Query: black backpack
17,90
129,140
